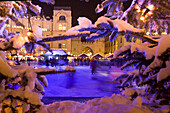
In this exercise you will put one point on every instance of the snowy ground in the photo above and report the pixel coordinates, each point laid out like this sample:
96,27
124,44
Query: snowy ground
83,83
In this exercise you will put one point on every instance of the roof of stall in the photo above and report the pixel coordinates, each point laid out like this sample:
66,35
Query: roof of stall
83,55
56,52
97,55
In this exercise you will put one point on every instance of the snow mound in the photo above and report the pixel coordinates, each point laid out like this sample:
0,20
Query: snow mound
70,68
114,104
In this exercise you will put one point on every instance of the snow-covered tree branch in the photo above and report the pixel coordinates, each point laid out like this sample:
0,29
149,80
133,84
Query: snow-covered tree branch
150,59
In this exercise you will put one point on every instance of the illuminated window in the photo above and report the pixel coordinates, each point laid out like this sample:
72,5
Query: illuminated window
61,27
64,27
115,44
133,39
63,45
38,18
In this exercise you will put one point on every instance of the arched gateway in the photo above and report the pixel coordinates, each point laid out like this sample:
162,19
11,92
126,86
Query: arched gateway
88,51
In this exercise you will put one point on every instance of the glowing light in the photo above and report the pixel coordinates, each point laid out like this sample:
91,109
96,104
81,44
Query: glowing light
137,7
143,11
150,13
164,33
11,62
41,52
26,39
138,10
38,18
20,27
142,18
29,33
147,33
155,33
151,7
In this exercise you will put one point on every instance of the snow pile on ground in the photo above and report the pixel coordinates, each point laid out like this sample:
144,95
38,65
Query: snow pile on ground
114,104
38,70
70,68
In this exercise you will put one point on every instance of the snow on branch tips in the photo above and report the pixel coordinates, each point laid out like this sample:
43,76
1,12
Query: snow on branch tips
151,68
161,54
103,26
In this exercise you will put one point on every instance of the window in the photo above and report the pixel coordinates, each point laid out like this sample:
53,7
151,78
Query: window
17,32
121,40
62,18
64,27
49,45
28,25
61,27
48,27
38,25
63,45
133,39
7,22
116,45
59,45
83,39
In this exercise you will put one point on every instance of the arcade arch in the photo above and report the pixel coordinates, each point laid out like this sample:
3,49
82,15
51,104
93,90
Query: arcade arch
88,51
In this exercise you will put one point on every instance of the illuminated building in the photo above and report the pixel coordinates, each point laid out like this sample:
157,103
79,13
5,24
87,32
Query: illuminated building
61,22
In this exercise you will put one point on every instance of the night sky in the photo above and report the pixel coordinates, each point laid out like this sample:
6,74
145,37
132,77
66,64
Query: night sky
78,7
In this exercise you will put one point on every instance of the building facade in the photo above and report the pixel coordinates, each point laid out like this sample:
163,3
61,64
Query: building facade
61,22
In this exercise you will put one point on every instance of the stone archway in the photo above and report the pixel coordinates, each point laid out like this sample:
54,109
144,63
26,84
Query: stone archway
88,51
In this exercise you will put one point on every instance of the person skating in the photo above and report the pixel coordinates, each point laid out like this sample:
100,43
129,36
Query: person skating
93,66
